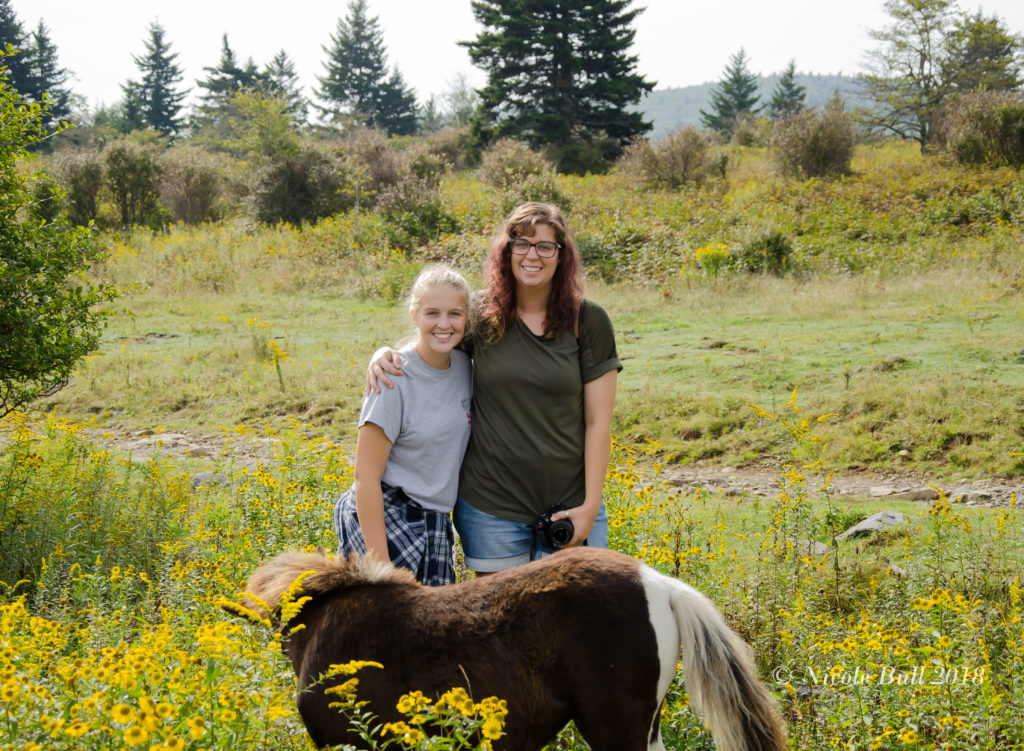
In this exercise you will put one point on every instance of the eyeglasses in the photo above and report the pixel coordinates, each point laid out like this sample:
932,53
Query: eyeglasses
521,246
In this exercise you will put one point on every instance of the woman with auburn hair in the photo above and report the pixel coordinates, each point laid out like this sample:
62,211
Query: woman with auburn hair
545,369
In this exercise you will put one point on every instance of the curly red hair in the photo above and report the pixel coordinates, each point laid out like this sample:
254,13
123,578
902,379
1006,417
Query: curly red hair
498,308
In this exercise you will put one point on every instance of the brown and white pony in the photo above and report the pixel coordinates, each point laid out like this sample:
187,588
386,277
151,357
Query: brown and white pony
586,635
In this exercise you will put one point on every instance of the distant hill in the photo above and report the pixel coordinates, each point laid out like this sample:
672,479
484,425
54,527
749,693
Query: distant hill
669,109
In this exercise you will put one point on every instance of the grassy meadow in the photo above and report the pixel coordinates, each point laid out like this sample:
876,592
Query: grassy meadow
894,341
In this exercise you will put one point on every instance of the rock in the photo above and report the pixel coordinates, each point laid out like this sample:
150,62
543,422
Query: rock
904,453
881,521
881,490
893,362
206,480
972,495
921,494
812,547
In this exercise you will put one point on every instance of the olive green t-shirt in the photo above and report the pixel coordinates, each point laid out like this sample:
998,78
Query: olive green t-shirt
526,447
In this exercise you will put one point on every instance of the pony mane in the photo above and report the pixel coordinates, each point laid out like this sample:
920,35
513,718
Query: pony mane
319,575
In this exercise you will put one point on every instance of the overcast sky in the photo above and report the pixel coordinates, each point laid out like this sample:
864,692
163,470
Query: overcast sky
678,43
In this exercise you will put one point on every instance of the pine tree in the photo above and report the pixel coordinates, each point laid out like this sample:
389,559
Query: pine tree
131,115
46,78
283,82
396,111
12,34
155,99
227,78
733,97
223,82
981,53
788,97
558,72
357,82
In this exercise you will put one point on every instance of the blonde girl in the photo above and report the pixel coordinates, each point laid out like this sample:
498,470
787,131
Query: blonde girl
412,439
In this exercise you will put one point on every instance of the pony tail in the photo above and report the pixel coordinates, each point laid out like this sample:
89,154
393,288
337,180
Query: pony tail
721,678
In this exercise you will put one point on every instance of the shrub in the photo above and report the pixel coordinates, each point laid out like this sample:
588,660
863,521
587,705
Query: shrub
751,131
983,128
508,163
542,187
685,156
414,212
590,153
80,174
379,165
303,187
46,198
813,143
768,254
190,186
49,312
133,170
452,145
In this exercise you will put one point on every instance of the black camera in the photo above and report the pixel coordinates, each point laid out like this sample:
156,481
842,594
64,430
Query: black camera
551,533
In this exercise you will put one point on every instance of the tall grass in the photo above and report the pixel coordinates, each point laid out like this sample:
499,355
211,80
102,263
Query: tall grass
908,639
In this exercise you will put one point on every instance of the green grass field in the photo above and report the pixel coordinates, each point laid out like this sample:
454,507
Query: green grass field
899,326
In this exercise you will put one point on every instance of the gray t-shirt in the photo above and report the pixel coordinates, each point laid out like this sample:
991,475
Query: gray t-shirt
426,418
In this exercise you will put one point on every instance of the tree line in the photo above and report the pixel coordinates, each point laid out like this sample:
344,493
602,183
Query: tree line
579,89
930,53
561,76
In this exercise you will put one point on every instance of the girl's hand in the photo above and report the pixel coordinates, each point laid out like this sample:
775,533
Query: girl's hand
582,521
385,360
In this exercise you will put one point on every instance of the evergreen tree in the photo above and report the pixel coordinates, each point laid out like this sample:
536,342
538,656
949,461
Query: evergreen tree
227,78
788,97
46,77
130,115
396,113
431,117
222,83
981,53
733,97
154,100
12,34
283,81
357,82
558,72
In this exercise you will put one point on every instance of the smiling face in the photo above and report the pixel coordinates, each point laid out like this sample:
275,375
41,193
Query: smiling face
530,270
440,324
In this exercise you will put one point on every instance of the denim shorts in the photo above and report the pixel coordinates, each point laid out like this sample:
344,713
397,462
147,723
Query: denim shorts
491,543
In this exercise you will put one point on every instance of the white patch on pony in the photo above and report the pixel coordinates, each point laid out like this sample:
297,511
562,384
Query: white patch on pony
666,634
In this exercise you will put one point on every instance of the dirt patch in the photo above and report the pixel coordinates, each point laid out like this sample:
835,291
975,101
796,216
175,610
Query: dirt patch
249,449
848,486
